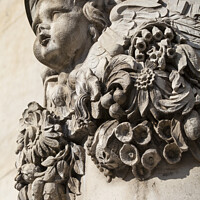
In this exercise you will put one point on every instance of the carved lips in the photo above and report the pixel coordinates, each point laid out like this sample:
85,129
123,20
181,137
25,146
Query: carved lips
44,38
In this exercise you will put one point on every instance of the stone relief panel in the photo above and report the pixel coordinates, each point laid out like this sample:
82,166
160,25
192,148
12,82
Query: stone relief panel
122,85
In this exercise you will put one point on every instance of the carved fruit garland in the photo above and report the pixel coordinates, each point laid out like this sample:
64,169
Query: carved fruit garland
149,100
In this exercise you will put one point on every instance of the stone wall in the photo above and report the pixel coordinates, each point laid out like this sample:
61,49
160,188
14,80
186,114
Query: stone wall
20,83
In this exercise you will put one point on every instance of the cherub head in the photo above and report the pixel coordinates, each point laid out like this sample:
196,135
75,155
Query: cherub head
65,30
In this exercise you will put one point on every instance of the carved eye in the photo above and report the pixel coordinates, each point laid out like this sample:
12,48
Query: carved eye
56,15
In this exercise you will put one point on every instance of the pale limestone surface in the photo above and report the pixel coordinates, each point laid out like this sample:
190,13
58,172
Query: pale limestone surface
178,182
20,83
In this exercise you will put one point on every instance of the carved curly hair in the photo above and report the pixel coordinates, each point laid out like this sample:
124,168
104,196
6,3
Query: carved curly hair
96,11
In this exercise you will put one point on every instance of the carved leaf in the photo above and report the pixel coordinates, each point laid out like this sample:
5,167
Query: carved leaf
88,83
93,86
20,160
120,78
51,142
103,133
193,60
23,194
180,59
62,168
50,174
51,134
143,101
79,156
39,150
119,62
74,185
37,189
176,133
177,80
43,146
48,162
96,109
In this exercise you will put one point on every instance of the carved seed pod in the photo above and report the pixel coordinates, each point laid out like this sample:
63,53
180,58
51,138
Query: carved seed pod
146,35
129,155
169,33
140,57
140,172
157,33
192,125
172,153
165,42
140,44
171,52
142,134
119,96
107,100
164,130
150,159
116,111
124,132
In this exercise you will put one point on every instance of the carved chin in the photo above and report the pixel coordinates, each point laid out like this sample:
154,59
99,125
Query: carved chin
53,58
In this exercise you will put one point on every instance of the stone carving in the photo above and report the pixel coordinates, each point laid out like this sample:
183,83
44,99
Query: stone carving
129,95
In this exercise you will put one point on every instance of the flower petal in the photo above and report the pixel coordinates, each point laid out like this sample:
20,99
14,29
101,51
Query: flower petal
143,101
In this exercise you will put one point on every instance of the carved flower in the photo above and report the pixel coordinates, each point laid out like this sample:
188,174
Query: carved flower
40,134
123,132
145,79
172,153
150,159
164,130
160,93
129,155
142,133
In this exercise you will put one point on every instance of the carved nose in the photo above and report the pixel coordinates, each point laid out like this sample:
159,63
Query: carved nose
43,35
43,27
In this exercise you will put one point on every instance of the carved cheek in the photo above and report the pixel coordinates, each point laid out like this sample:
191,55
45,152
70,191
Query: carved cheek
37,48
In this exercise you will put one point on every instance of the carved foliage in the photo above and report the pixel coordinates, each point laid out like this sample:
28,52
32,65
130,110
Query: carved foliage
48,164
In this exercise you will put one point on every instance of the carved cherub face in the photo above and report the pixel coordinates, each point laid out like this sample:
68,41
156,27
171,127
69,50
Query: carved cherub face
61,34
